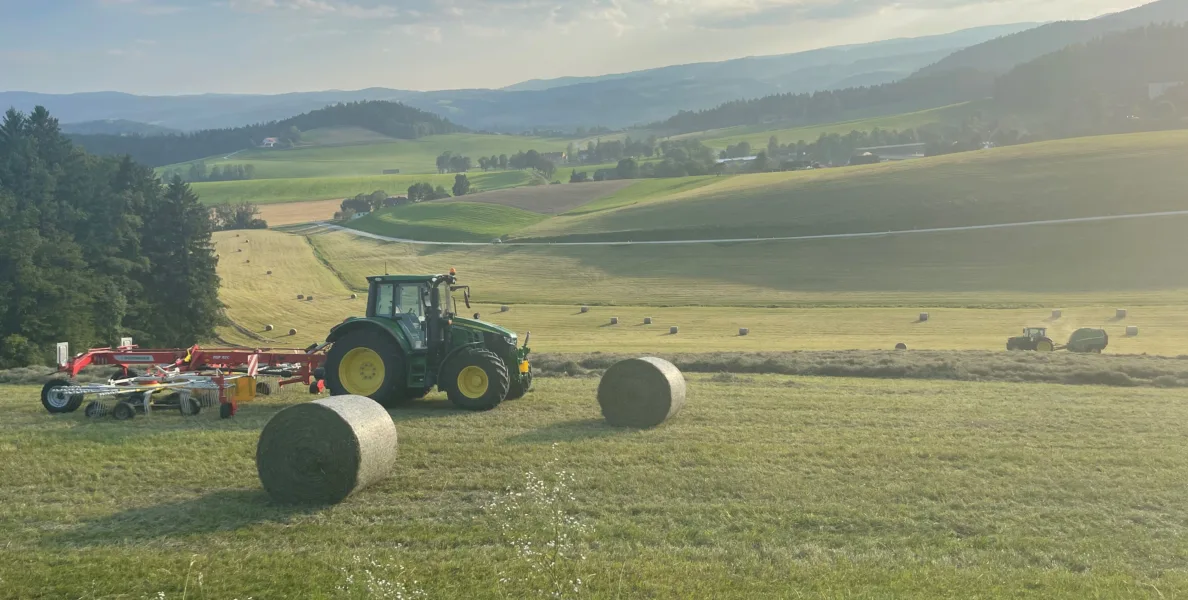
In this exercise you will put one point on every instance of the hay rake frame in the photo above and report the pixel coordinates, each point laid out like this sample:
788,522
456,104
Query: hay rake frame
231,373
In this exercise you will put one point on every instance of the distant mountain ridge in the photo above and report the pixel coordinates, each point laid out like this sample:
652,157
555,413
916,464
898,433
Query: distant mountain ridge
116,127
616,100
997,56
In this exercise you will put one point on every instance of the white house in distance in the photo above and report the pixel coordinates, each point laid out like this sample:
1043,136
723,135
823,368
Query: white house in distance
269,143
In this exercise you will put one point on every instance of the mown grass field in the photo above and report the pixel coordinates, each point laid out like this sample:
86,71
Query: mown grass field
447,221
269,191
352,153
545,291
757,135
1052,180
764,486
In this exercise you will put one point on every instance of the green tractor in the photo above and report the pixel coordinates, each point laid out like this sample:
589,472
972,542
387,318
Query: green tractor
1033,338
1083,341
412,340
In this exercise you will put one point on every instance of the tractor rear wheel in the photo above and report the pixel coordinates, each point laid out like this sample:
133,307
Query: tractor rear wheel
57,402
367,363
475,379
1045,346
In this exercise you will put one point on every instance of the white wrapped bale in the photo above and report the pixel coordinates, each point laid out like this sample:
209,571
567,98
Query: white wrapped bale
743,331
1131,331
1120,313
647,320
614,321
504,308
674,330
1056,314
585,309
923,317
641,392
323,451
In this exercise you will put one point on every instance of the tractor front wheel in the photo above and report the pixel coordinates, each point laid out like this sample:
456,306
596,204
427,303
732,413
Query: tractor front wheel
519,386
367,363
475,379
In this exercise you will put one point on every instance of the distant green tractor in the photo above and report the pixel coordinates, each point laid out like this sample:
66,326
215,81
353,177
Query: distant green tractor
1084,340
1033,338
411,341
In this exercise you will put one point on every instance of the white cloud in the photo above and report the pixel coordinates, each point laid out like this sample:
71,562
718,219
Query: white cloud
144,7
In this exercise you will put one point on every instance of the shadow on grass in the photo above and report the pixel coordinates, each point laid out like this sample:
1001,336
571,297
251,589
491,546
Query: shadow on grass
226,510
425,408
570,431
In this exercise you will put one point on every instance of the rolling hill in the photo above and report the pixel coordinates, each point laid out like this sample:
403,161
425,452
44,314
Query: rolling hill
618,100
1002,54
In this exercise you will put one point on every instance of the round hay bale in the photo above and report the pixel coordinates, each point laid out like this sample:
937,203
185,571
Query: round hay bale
647,320
743,331
310,298
301,296
1131,331
614,320
923,317
641,392
268,273
1120,313
504,308
247,261
268,328
354,296
901,346
585,309
292,332
674,330
320,452
1056,314
239,249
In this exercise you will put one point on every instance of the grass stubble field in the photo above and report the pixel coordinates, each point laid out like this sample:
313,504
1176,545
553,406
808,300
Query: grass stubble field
952,470
764,486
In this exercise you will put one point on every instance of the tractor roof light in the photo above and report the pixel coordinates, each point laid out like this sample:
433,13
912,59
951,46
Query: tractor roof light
453,271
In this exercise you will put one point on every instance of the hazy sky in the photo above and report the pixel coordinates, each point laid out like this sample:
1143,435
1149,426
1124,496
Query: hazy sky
272,46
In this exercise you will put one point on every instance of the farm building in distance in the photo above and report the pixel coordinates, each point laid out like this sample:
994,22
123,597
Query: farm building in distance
557,158
269,143
896,152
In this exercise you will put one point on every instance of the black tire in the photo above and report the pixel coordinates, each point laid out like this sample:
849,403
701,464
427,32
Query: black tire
225,411
123,411
57,403
392,391
94,409
515,390
314,389
265,388
188,406
497,380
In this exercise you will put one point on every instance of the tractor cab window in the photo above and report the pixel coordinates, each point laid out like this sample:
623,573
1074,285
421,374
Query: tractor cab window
408,301
385,299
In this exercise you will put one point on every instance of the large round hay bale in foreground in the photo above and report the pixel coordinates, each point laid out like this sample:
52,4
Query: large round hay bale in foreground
641,392
320,452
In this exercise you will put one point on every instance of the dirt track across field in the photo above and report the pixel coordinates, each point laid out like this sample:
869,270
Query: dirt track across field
547,199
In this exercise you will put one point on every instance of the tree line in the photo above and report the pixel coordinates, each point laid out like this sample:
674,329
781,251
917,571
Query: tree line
197,172
96,248
388,118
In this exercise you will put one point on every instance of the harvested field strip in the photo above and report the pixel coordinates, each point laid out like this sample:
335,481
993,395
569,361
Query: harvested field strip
546,199
1015,367
446,221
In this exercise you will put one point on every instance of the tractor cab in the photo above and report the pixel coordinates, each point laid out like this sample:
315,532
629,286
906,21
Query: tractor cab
1035,333
411,340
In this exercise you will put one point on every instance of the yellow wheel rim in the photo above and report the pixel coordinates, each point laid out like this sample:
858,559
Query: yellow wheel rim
1044,346
361,372
473,382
